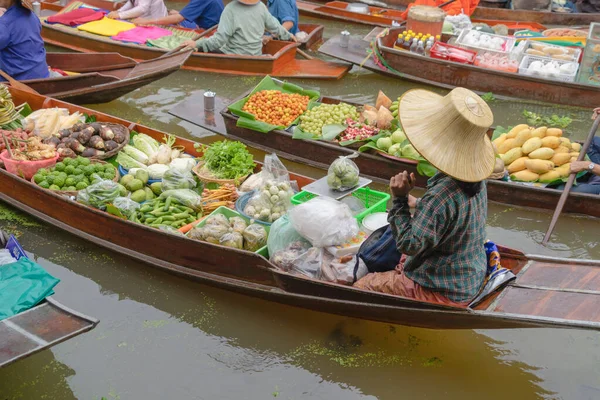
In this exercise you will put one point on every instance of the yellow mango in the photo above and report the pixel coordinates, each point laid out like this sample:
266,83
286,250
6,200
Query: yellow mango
511,155
550,176
576,146
562,149
508,144
539,166
524,176
532,144
517,165
523,136
574,154
500,139
564,170
513,132
554,132
539,132
565,142
543,153
560,158
573,159
551,142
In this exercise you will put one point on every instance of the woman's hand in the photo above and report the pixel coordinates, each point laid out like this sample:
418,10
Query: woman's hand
578,166
189,44
293,38
402,184
113,15
596,113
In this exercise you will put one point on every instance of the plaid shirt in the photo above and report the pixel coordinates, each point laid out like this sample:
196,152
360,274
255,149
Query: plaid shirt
444,239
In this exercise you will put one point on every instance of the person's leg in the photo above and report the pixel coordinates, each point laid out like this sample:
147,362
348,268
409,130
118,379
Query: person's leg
586,188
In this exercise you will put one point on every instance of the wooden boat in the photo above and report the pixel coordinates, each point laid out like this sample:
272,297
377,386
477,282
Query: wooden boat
278,59
542,17
387,17
39,328
102,77
321,154
448,74
548,292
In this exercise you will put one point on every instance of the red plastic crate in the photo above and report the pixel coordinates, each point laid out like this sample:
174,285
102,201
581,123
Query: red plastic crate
445,51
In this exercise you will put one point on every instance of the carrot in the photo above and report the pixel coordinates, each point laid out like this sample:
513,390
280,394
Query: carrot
186,228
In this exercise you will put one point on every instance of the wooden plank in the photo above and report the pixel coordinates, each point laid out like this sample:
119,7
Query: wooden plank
562,276
192,110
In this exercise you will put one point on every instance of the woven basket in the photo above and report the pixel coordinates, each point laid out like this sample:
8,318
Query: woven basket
74,192
109,154
206,176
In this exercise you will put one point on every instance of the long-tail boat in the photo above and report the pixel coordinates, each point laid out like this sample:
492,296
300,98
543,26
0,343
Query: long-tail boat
100,78
387,17
548,292
321,154
448,74
39,328
506,14
278,59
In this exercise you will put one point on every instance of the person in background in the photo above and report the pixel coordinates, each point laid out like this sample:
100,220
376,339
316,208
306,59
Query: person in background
286,12
140,9
22,52
241,30
442,244
588,6
197,14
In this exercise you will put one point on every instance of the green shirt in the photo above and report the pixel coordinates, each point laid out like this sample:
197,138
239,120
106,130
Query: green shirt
241,29
444,239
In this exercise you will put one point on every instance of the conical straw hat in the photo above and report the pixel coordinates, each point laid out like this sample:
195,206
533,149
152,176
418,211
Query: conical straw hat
450,131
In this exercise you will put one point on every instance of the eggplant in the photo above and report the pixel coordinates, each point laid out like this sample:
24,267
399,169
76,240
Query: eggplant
74,145
52,140
119,136
78,126
110,145
84,136
66,152
89,152
96,142
106,133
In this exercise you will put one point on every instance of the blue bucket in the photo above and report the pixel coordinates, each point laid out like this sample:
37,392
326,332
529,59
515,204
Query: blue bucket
124,172
240,204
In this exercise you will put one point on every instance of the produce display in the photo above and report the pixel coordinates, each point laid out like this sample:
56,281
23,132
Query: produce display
536,154
232,232
87,140
48,122
223,196
226,159
549,69
133,185
275,107
33,150
16,139
357,131
74,174
479,40
270,202
342,174
317,117
170,209
550,51
10,117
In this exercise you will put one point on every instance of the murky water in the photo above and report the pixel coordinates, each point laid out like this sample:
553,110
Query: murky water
164,337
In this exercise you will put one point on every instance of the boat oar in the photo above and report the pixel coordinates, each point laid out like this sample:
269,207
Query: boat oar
175,50
16,84
567,189
304,54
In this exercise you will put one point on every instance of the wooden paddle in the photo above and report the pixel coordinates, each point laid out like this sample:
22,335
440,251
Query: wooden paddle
16,84
567,189
175,50
304,54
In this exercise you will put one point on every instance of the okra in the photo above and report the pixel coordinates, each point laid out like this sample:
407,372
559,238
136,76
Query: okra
168,203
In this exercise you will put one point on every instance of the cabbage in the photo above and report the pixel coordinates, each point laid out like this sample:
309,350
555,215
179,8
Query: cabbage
183,164
146,144
156,171
128,162
136,154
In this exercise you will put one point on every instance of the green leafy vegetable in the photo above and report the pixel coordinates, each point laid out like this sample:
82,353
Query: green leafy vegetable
488,97
227,159
499,131
554,121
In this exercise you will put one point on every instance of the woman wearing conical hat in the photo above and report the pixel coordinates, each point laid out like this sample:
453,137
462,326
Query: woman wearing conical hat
442,244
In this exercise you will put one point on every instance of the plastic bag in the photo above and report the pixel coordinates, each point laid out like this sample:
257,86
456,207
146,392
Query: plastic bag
99,194
343,270
459,22
272,170
217,219
310,262
232,239
324,222
282,234
6,257
126,205
343,173
238,224
270,202
187,197
209,233
284,258
177,179
171,230
255,237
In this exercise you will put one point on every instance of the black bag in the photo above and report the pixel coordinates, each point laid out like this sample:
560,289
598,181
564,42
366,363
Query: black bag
379,251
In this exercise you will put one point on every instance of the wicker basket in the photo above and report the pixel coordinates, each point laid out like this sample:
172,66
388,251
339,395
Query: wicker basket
74,192
114,152
206,176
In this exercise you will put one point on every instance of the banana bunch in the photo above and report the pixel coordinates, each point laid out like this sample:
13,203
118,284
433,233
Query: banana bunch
394,108
10,117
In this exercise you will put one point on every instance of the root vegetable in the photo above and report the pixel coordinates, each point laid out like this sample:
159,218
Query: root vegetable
96,142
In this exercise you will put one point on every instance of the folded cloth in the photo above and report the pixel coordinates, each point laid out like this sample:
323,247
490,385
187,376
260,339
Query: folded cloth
167,42
106,27
76,17
140,34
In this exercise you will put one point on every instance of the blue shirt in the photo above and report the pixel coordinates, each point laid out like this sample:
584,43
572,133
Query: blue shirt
202,13
284,11
22,52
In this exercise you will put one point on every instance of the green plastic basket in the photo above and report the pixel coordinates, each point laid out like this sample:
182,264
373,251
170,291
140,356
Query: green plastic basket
229,213
373,201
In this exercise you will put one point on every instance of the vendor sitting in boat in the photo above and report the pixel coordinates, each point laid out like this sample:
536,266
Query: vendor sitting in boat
22,52
286,12
197,14
588,6
241,29
140,9
442,245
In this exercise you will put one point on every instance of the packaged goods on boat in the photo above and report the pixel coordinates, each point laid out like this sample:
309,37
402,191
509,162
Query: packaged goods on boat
343,174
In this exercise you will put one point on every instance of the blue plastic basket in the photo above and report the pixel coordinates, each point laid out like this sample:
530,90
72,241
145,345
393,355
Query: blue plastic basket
124,172
240,204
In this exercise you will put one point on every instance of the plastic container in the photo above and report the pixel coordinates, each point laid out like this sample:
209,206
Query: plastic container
497,62
425,19
26,169
123,172
445,51
374,221
506,47
229,213
373,201
563,77
240,204
551,51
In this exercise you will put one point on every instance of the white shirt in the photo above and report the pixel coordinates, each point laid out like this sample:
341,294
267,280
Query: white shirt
143,9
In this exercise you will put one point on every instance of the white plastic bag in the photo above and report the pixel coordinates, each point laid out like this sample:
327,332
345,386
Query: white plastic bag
272,170
281,235
342,270
343,173
324,222
270,202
